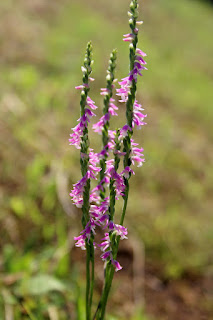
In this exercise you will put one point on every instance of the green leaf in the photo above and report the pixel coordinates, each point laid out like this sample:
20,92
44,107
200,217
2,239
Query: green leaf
17,205
40,285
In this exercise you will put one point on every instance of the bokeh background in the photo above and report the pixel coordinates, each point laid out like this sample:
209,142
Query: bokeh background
42,46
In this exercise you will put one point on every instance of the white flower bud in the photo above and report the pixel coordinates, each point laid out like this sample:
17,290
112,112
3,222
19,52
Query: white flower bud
83,69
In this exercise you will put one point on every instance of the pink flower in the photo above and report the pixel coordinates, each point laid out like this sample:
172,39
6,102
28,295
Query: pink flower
105,243
91,103
128,37
126,172
98,127
104,91
77,191
80,242
93,169
120,231
82,86
117,265
136,154
140,52
112,108
138,116
105,255
124,130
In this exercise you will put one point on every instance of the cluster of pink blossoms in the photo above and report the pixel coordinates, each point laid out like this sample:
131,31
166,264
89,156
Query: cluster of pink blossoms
99,208
75,139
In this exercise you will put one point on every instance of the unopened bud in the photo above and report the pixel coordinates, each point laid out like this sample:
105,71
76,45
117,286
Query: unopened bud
132,6
130,21
83,69
131,47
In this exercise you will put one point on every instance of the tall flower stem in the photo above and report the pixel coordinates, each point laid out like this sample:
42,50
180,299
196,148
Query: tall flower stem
107,97
130,101
112,181
108,92
109,274
109,271
84,161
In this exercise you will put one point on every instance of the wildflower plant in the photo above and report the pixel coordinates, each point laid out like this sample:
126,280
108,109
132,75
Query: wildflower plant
111,168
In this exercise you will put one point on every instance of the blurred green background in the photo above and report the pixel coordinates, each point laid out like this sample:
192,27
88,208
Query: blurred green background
42,46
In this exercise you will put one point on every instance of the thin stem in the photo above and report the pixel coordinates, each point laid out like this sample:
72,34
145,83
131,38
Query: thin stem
92,260
125,201
105,137
107,288
109,274
84,160
88,309
127,162
105,140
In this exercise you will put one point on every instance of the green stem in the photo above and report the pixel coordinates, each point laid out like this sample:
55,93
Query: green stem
110,270
106,291
100,312
125,202
88,308
92,260
109,274
105,138
84,160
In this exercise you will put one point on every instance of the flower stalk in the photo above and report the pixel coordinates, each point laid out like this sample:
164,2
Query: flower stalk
103,168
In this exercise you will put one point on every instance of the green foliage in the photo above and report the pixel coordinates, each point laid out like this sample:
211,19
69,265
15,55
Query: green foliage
39,285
